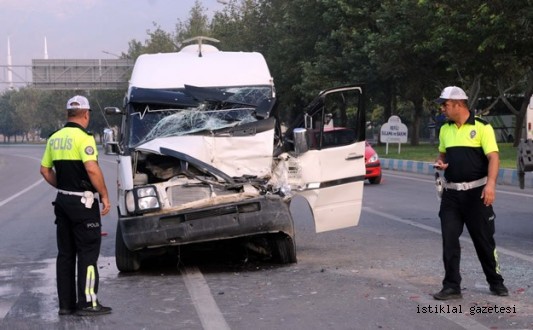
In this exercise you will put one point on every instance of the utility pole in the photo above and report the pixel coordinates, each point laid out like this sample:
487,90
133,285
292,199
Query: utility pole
9,66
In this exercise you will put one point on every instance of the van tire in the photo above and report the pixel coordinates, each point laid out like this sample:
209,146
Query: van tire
283,249
126,260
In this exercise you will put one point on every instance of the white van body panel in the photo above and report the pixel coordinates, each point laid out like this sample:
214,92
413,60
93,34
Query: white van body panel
213,69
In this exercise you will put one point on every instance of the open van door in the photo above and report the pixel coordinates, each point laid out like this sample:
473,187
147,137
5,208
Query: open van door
327,167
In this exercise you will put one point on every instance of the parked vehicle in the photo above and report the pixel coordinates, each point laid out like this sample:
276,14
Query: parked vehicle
372,164
201,157
525,148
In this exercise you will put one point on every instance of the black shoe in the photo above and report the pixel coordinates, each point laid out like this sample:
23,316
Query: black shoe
499,290
66,311
448,294
93,311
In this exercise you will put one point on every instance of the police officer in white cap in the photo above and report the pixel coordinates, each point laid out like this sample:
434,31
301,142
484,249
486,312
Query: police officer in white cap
469,156
70,164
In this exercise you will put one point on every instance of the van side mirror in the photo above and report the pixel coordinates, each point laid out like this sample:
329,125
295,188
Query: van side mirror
110,143
111,148
301,144
112,111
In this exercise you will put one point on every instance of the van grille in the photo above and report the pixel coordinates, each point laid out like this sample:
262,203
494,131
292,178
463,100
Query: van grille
179,195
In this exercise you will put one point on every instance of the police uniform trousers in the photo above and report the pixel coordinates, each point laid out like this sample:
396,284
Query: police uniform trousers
460,208
78,236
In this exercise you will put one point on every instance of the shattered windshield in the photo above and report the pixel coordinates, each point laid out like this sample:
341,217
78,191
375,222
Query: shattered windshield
150,121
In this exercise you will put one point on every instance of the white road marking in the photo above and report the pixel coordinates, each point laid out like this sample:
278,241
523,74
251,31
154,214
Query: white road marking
5,307
8,292
7,200
210,315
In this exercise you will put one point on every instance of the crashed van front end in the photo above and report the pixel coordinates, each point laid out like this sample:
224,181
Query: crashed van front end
202,157
198,167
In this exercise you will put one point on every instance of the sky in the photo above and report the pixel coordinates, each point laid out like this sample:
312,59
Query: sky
84,29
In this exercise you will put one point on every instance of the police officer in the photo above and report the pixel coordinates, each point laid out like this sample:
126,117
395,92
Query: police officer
72,152
469,156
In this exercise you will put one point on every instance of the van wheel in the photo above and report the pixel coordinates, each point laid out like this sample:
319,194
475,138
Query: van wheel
283,249
126,260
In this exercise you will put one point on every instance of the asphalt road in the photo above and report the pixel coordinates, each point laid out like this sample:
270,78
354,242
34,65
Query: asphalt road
379,275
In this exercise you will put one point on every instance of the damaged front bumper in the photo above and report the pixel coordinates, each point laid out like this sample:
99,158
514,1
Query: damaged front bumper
261,215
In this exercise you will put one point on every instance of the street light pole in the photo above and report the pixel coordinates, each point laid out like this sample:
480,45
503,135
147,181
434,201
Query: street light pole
112,54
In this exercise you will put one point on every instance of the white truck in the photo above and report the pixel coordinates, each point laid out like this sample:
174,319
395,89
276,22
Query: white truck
202,157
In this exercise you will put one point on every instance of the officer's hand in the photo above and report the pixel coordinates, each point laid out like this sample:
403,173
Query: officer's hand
106,206
440,165
488,194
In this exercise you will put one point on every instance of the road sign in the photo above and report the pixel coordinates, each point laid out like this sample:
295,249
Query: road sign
393,131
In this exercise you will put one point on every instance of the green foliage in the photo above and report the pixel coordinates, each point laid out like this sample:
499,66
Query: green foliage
34,114
159,42
7,116
242,27
196,25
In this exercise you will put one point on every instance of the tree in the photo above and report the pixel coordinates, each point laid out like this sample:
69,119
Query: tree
26,104
7,117
402,57
99,100
159,41
197,24
488,46
51,115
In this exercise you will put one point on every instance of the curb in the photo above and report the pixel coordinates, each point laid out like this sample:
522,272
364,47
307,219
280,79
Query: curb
506,176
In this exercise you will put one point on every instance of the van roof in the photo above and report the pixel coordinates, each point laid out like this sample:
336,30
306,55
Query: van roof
213,68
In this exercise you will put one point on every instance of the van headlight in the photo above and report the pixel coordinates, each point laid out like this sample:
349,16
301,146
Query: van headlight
142,200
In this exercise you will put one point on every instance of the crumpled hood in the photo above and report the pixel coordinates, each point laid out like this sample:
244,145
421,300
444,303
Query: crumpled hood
233,155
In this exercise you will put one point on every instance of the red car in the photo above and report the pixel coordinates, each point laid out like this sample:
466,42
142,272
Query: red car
372,164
